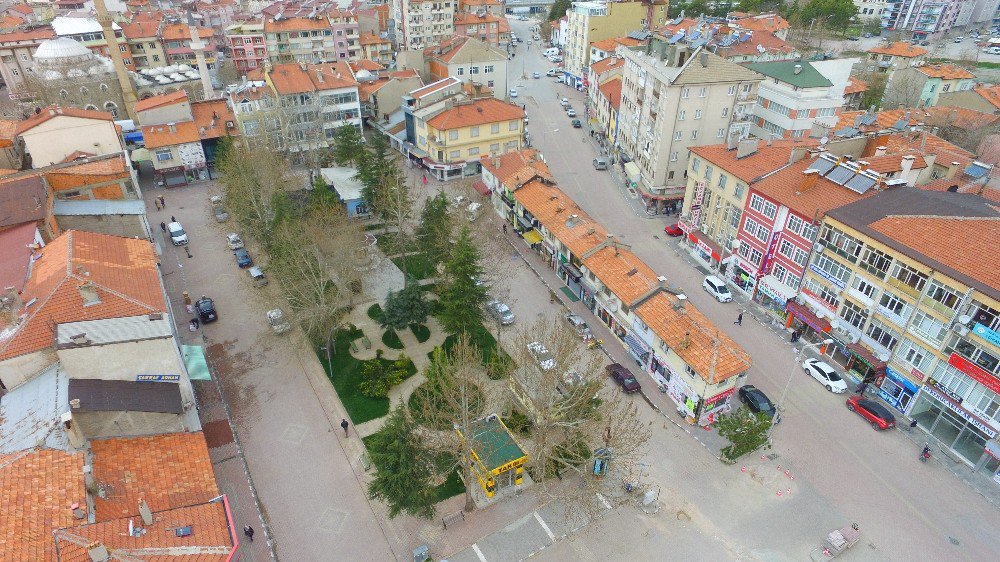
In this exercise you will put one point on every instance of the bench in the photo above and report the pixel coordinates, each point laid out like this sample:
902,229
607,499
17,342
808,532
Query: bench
365,461
453,518
366,342
354,347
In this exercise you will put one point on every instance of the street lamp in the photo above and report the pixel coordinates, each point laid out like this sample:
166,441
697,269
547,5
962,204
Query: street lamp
784,391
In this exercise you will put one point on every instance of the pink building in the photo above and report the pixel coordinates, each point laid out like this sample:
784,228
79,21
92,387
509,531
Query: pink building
245,42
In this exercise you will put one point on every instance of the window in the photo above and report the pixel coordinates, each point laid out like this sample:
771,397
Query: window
495,147
896,305
763,233
695,164
875,262
685,93
731,92
750,226
156,58
702,92
908,276
842,243
755,256
794,224
757,203
673,156
488,69
15,72
942,294
709,171
912,354
512,125
722,181
826,112
928,327
779,271
831,267
63,93
460,71
473,151
84,91
721,133
452,135
770,209
495,128
474,132
678,135
164,155
882,335
473,70
734,218
725,112
697,114
793,281
740,190
786,249
694,134
861,285
455,154
854,314
681,115
821,291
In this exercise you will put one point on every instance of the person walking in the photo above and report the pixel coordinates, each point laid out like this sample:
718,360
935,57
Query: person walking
505,228
163,226
157,203
739,319
172,219
163,204
344,424
862,388
248,531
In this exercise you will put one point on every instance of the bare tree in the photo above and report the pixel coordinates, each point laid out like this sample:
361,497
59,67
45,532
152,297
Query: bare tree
251,178
903,89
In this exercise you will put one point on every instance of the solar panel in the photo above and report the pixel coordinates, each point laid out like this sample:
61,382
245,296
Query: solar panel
840,175
977,170
860,183
696,34
744,38
868,118
677,37
901,124
846,132
822,165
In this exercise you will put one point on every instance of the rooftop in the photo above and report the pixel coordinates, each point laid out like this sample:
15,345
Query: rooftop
757,41
609,45
30,414
15,254
493,443
990,94
809,195
768,158
161,100
624,274
212,117
944,71
855,86
606,64
479,112
54,111
516,167
69,25
96,395
23,200
292,78
561,216
612,90
797,73
899,49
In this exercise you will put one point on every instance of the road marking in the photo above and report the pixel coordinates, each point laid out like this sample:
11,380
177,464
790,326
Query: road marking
604,501
479,553
552,536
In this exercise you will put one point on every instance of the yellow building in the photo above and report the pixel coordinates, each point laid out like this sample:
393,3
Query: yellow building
908,280
497,460
456,137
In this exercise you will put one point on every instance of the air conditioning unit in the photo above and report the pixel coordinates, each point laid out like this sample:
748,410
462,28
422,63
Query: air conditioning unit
960,329
855,338
818,247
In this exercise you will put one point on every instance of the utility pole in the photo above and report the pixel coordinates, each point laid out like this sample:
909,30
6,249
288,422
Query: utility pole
128,90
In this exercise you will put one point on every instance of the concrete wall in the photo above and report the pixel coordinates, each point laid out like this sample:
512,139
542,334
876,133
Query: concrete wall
118,424
19,370
116,225
49,143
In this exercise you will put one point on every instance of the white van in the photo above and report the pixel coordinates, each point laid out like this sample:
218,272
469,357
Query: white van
717,288
177,235
551,52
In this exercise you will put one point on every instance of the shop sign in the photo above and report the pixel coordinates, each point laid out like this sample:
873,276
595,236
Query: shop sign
720,396
819,271
900,379
961,412
763,287
699,196
987,334
157,378
512,464
975,371
705,248
766,264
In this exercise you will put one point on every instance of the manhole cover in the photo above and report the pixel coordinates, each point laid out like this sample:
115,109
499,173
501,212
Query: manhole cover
954,541
773,456
683,516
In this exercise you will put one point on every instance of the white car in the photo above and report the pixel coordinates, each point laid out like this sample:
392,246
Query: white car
555,58
513,93
717,288
571,112
825,374
177,235
542,355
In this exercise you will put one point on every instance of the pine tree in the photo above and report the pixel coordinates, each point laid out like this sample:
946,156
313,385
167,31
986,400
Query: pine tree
463,295
348,145
435,229
403,479
405,307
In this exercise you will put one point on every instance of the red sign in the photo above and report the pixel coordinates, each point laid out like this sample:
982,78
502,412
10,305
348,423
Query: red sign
975,371
720,396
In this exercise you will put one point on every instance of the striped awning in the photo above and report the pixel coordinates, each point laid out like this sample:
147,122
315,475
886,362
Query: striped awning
635,346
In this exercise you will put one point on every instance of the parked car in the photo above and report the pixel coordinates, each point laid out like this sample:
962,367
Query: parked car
513,93
875,413
825,374
623,377
571,112
242,258
756,400
579,326
717,288
551,72
206,310
177,235
673,230
501,312
600,163
564,102
576,123
535,75
542,355
234,241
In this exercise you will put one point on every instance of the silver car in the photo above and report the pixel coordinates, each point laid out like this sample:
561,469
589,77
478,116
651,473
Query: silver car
501,312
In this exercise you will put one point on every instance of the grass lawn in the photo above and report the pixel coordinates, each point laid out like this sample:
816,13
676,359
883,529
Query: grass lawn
417,266
375,312
482,339
391,339
451,487
344,372
421,332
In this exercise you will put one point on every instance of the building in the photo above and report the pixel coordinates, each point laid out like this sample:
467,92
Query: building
11,146
312,40
45,139
488,28
871,9
922,85
891,57
770,23
375,48
504,174
600,50
144,42
595,21
177,37
854,93
913,316
606,109
456,133
17,51
760,46
984,99
674,98
88,32
422,23
976,13
469,60
600,72
246,46
795,95
381,91
348,188
921,19
494,7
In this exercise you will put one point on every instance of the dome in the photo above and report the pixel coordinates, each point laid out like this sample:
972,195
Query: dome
61,48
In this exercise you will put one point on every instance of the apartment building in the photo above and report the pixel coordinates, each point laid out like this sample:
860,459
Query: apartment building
761,46
375,48
871,9
422,23
494,7
674,98
470,60
144,42
488,28
599,73
176,38
906,281
921,85
606,109
769,22
17,51
984,99
921,19
313,40
600,50
891,57
461,132
247,48
595,21
797,94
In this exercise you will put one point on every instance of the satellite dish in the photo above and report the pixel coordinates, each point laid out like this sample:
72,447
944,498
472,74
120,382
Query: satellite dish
964,319
883,356
824,140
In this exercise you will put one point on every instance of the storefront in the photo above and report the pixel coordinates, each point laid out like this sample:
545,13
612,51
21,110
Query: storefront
897,390
941,414
863,366
804,320
714,406
704,249
171,177
638,350
742,276
773,295
497,460
572,277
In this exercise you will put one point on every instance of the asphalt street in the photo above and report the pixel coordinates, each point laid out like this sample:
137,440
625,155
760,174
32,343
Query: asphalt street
846,472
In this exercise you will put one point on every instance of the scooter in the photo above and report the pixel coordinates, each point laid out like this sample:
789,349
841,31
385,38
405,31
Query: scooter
925,454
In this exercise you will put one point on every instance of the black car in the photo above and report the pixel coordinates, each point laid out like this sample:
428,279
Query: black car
242,257
756,400
206,310
623,377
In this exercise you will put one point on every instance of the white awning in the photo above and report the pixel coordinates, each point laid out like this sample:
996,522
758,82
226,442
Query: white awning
632,171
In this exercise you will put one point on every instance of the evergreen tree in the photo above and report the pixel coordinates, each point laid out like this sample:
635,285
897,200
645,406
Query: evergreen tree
405,307
403,479
348,145
745,430
435,229
463,295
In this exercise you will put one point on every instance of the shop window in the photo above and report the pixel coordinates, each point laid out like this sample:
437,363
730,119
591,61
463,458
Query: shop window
954,380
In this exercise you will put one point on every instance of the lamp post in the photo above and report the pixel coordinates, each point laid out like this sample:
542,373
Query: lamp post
784,391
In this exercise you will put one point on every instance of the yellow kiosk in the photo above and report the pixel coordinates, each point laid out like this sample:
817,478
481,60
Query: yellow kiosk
497,460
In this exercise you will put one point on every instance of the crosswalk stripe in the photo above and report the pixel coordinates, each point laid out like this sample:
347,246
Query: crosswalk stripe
548,531
479,553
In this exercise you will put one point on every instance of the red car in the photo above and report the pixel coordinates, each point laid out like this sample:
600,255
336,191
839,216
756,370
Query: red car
673,230
875,413
623,377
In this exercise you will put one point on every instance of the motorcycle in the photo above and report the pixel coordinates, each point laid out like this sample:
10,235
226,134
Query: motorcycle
925,454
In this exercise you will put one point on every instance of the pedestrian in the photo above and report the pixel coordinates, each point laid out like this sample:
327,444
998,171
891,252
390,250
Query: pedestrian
862,388
163,204
505,228
157,202
163,226
739,319
344,424
172,219
248,531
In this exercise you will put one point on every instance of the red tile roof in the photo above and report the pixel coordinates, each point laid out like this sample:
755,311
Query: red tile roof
53,111
990,94
37,488
40,34
295,24
211,116
899,49
767,40
161,100
159,136
516,167
561,216
365,64
609,45
625,275
786,187
479,112
141,29
767,158
372,39
855,86
122,270
934,116
15,255
290,78
8,130
168,471
944,71
87,172
606,64
182,32
612,90
763,22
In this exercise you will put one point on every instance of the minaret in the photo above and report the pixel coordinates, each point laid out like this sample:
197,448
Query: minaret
198,46
128,90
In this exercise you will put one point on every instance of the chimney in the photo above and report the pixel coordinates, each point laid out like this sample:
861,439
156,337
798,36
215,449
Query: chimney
172,126
907,165
319,75
88,292
746,147
732,141
98,552
798,69
704,58
810,179
880,151
73,432
952,170
302,65
145,513
797,153
78,513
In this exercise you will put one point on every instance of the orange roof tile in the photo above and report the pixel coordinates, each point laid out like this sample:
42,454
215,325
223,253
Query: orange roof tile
899,49
465,18
37,488
168,471
928,143
53,111
295,24
161,100
944,71
765,39
763,22
479,112
158,136
606,64
87,173
40,34
855,86
141,29
612,90
123,271
290,78
22,9
8,130
937,238
77,155
561,216
365,64
9,21
934,116
694,338
372,39
210,116
516,167
785,187
625,275
182,32
609,45
891,163
990,94
767,158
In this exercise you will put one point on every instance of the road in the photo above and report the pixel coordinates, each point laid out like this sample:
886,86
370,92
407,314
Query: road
846,472
966,50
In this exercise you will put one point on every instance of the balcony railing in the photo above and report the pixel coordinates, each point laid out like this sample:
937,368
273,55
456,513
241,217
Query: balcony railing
938,307
899,285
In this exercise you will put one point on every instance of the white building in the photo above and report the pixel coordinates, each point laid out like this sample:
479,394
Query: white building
589,22
797,94
422,23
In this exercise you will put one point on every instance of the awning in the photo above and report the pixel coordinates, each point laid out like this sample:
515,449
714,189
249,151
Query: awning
705,244
481,187
194,362
632,171
807,316
572,271
525,223
775,289
861,352
635,346
532,237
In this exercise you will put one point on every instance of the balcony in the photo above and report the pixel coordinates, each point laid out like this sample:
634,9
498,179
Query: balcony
938,307
878,273
903,287
747,96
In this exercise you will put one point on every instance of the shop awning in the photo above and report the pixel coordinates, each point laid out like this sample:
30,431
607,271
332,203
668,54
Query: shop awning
861,352
993,448
524,223
532,237
633,173
707,245
481,187
770,285
572,271
807,316
637,348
